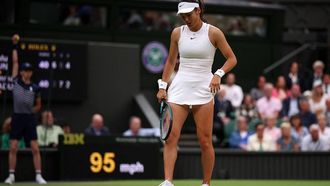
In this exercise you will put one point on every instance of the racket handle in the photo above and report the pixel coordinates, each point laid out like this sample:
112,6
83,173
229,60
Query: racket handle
161,107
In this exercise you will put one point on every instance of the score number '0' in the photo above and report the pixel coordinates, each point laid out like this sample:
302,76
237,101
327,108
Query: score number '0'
105,162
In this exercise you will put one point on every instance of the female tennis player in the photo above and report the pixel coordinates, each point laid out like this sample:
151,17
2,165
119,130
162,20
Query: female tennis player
194,85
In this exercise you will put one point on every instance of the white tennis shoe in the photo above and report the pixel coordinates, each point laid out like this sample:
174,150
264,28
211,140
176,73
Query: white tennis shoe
205,184
40,179
166,183
10,180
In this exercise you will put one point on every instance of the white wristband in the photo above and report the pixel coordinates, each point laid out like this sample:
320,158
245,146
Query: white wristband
220,73
162,84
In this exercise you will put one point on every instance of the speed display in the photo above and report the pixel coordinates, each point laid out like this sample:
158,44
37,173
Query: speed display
59,67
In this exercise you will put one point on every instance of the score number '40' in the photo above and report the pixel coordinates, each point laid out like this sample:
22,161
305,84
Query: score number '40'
105,162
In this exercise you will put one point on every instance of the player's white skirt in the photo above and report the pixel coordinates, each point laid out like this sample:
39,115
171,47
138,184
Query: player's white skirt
191,88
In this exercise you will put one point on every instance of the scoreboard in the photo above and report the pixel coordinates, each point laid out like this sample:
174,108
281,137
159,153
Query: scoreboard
109,157
59,67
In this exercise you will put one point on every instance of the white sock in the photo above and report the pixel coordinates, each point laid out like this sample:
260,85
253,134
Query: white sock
38,172
12,173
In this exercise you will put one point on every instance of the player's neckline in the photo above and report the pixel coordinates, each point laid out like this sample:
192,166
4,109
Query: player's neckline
198,29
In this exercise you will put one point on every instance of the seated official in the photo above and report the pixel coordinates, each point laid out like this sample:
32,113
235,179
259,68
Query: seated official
259,141
47,131
238,139
136,130
97,127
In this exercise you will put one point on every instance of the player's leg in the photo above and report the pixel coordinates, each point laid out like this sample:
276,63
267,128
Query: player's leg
30,136
12,161
16,133
36,155
203,116
37,161
180,113
13,154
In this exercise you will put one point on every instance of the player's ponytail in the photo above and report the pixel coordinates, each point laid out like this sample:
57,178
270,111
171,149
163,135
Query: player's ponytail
202,7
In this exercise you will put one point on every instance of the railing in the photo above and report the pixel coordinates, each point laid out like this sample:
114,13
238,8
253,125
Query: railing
147,110
292,54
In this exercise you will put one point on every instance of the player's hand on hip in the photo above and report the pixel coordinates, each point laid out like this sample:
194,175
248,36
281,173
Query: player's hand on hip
161,95
215,84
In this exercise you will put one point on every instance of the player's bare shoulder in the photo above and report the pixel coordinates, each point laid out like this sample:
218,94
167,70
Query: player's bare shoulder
175,36
215,34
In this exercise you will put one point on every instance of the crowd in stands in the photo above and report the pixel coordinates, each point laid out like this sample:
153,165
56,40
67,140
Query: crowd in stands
48,131
293,114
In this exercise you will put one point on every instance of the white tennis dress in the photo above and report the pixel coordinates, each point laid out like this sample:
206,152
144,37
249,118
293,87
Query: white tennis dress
191,84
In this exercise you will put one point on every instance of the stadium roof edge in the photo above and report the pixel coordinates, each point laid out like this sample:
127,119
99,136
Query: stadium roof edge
233,3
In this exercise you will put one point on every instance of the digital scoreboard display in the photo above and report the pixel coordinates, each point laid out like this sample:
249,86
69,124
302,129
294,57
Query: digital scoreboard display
109,157
59,67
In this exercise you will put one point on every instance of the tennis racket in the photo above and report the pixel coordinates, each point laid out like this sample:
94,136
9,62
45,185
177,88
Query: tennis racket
166,120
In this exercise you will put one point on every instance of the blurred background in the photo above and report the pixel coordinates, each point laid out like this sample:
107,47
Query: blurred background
97,63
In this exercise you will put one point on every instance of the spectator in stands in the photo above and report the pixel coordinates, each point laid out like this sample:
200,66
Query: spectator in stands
238,139
72,18
291,103
258,92
97,127
317,75
307,117
223,108
298,131
248,108
47,131
236,28
135,129
66,128
0,75
223,112
318,99
234,93
294,76
287,142
327,112
326,84
314,142
271,129
5,141
324,129
259,141
269,105
280,91
135,20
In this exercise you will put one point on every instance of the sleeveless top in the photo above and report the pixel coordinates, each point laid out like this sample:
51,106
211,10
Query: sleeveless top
191,84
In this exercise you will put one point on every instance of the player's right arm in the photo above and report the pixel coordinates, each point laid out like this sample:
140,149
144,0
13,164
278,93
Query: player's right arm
170,62
15,40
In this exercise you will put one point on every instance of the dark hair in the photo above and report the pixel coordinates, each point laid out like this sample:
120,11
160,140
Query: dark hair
296,116
257,125
201,6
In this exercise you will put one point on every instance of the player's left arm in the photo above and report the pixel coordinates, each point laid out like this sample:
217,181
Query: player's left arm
219,41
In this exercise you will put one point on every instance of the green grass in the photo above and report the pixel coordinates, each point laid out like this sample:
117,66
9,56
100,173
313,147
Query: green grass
189,183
